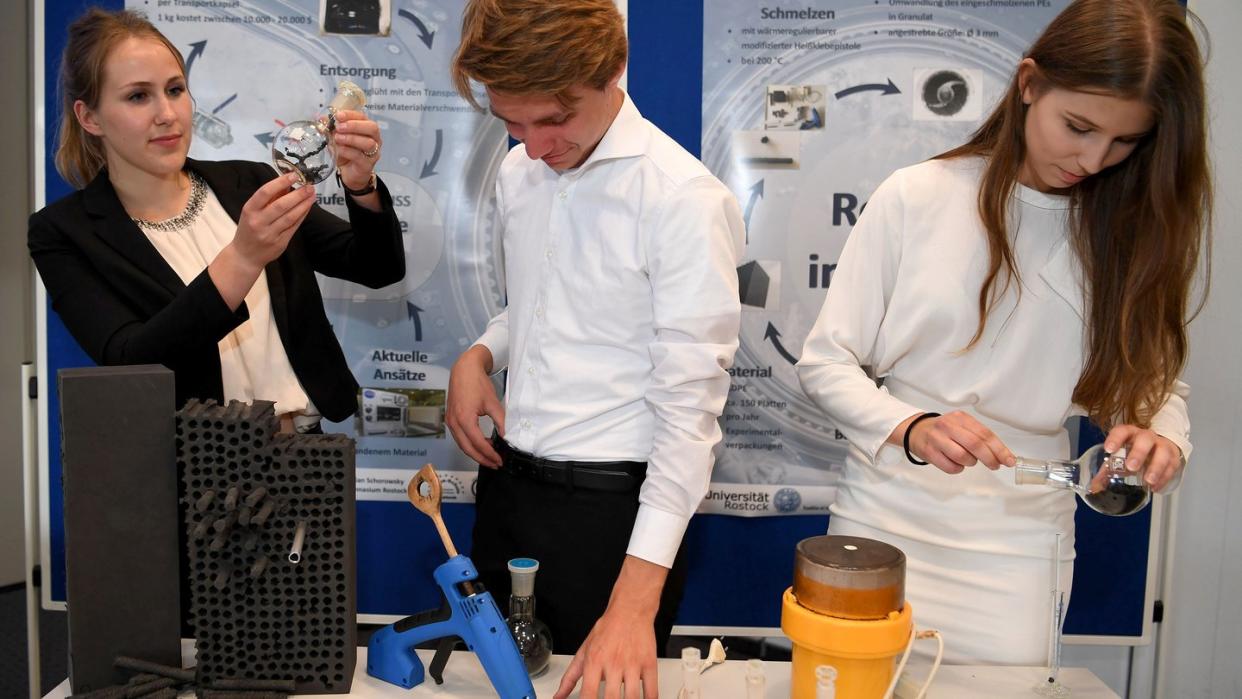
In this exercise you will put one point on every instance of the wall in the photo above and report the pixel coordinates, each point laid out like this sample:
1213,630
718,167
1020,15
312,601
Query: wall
1202,636
16,304
1199,642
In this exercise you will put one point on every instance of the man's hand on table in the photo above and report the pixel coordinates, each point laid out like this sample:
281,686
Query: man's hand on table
620,650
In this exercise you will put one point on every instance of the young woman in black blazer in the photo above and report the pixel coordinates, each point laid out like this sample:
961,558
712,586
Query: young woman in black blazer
205,267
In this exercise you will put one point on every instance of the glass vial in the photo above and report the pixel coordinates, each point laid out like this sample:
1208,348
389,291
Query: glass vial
825,682
756,681
1100,479
534,640
691,665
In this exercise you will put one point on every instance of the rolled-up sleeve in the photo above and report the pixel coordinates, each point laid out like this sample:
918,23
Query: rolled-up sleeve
693,252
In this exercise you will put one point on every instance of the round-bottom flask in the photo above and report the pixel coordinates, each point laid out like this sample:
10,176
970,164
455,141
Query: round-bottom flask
1100,479
306,147
534,640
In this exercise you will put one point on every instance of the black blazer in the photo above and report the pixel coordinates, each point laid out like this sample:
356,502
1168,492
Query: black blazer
125,305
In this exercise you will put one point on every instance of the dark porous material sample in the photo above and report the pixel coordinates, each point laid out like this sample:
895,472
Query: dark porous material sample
256,615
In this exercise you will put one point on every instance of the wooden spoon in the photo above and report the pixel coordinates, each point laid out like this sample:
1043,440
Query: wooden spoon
429,504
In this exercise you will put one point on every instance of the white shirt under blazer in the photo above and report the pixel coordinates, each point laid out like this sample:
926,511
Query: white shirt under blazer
622,317
253,361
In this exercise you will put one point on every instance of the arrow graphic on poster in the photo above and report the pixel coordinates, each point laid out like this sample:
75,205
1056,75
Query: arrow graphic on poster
889,89
418,321
196,50
775,336
756,193
265,138
423,34
224,104
429,168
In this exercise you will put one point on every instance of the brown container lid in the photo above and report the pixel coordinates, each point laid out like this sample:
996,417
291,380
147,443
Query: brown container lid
849,577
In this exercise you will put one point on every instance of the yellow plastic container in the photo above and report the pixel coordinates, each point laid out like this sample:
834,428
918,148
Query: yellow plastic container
863,652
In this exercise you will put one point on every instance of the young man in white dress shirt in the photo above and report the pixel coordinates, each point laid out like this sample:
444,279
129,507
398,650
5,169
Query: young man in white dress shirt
620,262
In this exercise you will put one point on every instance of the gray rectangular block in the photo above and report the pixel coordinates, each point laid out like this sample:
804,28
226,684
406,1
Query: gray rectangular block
120,501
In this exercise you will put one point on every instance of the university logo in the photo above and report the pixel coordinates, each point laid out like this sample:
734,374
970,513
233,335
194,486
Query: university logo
787,500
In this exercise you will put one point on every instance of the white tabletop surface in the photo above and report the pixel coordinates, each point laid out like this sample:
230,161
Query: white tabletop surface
464,679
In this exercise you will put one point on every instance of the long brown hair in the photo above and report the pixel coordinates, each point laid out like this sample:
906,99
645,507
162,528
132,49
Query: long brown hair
1137,227
538,47
79,155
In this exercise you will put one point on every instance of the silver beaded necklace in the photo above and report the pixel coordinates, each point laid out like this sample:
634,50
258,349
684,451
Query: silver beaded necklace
185,219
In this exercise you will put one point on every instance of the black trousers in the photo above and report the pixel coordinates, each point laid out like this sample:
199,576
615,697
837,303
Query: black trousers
579,538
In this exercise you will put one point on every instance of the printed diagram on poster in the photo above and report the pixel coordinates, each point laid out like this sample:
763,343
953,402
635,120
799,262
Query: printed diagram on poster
795,107
373,17
770,149
806,110
400,412
439,161
950,94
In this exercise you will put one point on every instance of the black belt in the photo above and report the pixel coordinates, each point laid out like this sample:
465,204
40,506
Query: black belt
608,476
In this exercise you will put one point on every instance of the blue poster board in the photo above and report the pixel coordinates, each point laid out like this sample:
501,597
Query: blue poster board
738,566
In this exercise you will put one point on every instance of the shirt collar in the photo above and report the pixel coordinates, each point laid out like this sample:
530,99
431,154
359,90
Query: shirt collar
626,137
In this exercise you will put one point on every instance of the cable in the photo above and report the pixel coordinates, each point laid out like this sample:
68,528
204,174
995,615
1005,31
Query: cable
901,665
935,664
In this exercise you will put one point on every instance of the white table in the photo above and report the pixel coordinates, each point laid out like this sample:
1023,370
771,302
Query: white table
464,679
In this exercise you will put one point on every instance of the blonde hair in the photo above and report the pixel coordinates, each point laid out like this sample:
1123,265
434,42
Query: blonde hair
92,37
539,47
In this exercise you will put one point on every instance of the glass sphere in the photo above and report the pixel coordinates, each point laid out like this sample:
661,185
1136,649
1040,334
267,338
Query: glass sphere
1107,487
304,147
534,643
1101,479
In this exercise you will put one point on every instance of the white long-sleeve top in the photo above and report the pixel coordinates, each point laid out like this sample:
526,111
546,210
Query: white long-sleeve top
904,302
253,361
623,315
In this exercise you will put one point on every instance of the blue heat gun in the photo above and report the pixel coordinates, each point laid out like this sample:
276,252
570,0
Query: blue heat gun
466,613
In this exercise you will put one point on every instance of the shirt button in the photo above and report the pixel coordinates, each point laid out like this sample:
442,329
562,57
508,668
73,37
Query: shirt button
530,370
562,194
526,424
548,253
538,312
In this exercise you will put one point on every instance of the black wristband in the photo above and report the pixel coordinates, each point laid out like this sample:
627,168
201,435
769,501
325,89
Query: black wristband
905,439
370,187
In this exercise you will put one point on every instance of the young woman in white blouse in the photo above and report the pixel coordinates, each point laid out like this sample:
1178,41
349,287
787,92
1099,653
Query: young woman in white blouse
205,267
1039,272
